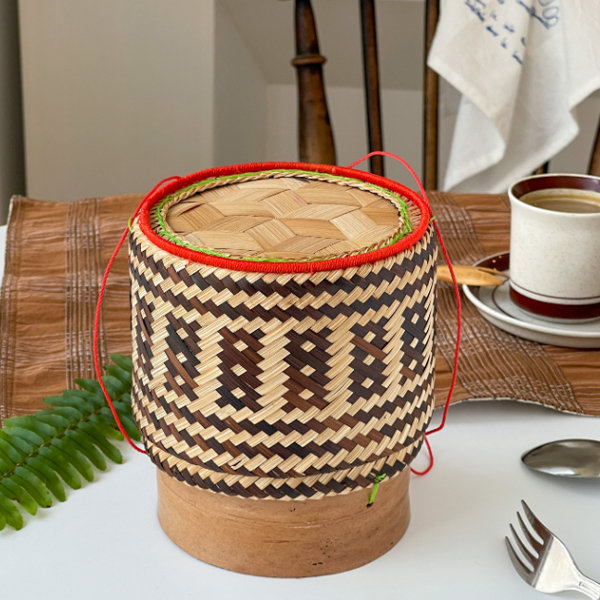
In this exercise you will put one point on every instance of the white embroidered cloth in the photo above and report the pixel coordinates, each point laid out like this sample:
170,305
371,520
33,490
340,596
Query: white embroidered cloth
521,66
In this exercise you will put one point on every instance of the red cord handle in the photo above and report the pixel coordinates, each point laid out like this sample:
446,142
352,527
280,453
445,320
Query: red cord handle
97,317
456,293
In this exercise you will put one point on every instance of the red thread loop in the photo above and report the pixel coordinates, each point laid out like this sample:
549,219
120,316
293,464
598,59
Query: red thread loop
456,293
97,316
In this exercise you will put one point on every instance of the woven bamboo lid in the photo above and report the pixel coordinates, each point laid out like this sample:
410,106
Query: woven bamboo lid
265,216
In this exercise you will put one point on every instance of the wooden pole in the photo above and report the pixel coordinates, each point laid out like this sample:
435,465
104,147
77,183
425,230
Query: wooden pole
315,135
430,102
371,82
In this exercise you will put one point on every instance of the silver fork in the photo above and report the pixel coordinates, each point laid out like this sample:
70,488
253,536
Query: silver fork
551,567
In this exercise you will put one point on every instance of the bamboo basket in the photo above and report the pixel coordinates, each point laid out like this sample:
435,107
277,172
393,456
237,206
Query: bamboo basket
283,362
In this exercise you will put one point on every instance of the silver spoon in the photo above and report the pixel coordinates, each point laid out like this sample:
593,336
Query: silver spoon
566,458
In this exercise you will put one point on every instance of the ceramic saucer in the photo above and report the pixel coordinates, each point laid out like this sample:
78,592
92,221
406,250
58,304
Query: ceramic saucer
494,305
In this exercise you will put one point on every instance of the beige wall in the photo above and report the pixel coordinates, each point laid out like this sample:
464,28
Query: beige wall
240,118
117,94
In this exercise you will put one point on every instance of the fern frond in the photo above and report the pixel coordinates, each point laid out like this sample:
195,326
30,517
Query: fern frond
42,452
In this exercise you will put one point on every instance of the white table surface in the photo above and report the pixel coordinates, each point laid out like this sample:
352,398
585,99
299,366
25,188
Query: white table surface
105,541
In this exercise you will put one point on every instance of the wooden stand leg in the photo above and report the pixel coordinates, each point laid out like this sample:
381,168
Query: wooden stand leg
315,135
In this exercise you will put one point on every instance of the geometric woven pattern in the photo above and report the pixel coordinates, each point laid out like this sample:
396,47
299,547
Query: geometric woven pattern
276,216
282,385
285,385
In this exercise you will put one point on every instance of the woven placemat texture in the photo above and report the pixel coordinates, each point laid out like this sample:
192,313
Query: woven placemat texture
56,254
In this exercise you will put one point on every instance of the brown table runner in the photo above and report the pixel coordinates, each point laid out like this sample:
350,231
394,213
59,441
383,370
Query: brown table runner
56,254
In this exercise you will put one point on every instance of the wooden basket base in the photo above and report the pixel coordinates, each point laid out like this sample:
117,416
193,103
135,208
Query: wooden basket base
284,538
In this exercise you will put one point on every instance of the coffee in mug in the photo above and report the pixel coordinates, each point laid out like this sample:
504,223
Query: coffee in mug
564,200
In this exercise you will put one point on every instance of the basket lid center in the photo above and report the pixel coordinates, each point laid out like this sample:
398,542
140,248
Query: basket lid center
285,218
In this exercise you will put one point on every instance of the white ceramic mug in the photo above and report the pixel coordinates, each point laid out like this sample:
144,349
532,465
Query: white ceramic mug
555,245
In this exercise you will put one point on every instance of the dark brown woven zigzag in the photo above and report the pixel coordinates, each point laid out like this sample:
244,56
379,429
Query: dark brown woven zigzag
282,385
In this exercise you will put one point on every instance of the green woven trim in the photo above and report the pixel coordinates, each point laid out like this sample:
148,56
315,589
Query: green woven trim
396,198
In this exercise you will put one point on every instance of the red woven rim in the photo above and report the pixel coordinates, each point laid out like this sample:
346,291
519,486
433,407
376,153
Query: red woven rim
283,267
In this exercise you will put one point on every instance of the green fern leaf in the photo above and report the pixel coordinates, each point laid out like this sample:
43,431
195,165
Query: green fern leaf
101,423
60,463
84,402
52,418
12,455
49,476
85,445
36,425
127,420
6,465
40,489
67,412
122,374
114,386
71,454
78,405
34,485
67,473
94,430
89,387
25,438
123,362
10,512
64,443
13,489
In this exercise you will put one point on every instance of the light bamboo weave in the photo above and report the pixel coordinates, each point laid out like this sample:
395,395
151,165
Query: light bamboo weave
305,217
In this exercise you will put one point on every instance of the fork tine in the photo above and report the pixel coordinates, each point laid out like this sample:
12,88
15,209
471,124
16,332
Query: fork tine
524,550
537,525
520,567
533,542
